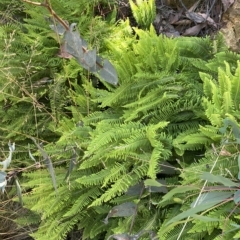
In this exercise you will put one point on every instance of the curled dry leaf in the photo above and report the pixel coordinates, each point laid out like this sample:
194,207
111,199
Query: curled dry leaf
195,17
175,17
193,31
209,20
223,152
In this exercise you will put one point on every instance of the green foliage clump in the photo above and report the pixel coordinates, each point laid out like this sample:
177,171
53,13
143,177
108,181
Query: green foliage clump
144,12
155,157
36,80
208,208
129,139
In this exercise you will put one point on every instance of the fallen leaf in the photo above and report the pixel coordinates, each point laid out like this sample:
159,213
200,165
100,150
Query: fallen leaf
175,17
193,31
209,20
223,152
195,17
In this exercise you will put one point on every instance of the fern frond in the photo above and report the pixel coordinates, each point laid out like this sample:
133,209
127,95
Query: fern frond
120,186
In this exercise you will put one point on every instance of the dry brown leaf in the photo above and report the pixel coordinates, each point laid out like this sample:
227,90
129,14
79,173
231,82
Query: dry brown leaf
195,17
209,20
175,17
223,152
227,4
193,31
63,52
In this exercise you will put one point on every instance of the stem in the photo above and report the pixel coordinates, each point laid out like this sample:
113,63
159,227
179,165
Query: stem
49,8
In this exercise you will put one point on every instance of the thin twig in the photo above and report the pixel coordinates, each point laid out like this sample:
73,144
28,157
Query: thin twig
199,196
47,5
53,13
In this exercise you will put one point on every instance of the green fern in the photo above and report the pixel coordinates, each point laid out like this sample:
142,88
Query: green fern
158,116
144,12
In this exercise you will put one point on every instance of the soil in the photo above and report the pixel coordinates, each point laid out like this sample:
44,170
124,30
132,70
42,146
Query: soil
176,18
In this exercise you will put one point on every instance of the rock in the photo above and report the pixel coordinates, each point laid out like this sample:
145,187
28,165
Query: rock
231,26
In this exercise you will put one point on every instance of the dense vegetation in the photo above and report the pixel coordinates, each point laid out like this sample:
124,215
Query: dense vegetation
151,156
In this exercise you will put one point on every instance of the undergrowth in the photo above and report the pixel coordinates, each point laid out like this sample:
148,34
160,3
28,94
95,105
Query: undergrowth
152,156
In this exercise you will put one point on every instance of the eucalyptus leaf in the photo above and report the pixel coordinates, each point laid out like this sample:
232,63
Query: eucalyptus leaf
88,61
179,189
236,197
158,185
73,42
58,28
19,191
205,218
84,43
89,57
11,147
3,185
2,176
152,183
205,202
218,178
123,210
108,73
211,198
235,128
97,66
84,65
30,154
123,236
8,160
48,163
135,190
99,61
167,168
3,181
72,163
